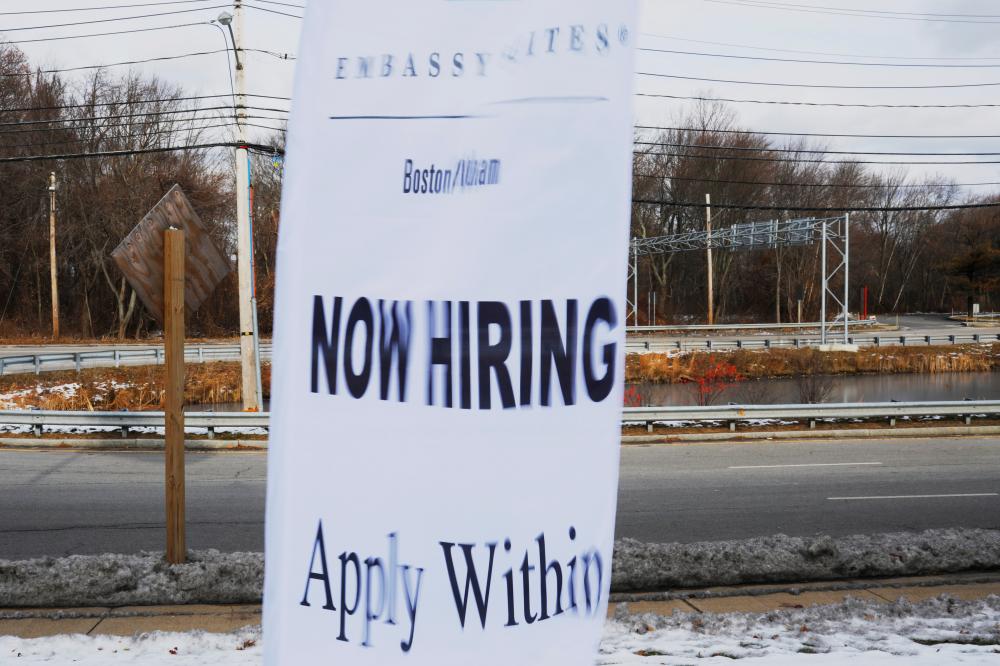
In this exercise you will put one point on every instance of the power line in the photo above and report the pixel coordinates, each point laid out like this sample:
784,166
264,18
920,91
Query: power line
283,4
807,151
817,209
188,98
36,130
113,137
112,19
882,186
818,134
820,85
114,64
272,11
870,11
106,34
143,114
819,62
833,104
140,151
819,53
862,13
807,161
104,7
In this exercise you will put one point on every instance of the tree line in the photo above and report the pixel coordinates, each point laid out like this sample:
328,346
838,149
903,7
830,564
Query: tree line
100,200
909,260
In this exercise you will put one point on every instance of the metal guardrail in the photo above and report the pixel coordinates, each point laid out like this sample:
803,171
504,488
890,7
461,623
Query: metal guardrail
648,416
890,411
746,327
125,421
640,346
38,363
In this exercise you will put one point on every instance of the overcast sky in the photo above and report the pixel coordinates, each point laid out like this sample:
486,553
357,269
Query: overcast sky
684,25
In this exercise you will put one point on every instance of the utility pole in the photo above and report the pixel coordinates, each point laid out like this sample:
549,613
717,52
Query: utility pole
52,255
708,229
249,356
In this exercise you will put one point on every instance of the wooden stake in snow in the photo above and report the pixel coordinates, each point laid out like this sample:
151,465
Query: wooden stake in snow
173,300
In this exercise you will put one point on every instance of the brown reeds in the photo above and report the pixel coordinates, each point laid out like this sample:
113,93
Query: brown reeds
131,388
671,368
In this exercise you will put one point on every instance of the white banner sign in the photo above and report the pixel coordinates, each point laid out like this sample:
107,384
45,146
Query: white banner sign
443,464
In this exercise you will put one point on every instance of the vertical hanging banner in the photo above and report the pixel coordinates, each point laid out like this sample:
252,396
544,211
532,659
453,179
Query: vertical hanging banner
449,344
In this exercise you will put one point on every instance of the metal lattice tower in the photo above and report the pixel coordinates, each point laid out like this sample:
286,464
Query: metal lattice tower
831,232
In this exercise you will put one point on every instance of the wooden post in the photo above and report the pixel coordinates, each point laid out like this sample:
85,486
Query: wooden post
173,300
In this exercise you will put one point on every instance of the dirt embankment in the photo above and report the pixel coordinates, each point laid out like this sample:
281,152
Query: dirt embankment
672,368
132,388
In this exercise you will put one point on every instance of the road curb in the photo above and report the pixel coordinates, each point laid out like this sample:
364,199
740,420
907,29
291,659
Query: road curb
858,433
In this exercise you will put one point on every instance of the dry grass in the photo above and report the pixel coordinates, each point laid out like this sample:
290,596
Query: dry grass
670,368
133,388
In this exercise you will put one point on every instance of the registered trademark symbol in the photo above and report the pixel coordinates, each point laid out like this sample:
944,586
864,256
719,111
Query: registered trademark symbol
623,34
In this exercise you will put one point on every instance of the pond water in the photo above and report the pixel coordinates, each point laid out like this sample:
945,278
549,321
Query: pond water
854,388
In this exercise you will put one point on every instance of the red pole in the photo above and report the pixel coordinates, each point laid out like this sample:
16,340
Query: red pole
864,300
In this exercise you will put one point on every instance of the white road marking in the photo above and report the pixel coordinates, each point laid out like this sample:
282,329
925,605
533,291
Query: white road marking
881,497
805,465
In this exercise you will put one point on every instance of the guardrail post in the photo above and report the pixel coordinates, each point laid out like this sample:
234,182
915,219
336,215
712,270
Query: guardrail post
201,353
76,360
812,424
767,344
968,419
739,344
951,339
156,354
124,432
117,358
649,426
38,429
928,339
708,343
1,367
878,341
38,365
732,426
902,340
892,421
975,338
795,341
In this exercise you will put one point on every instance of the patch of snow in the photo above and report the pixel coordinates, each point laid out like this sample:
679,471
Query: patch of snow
641,566
931,633
938,631
214,577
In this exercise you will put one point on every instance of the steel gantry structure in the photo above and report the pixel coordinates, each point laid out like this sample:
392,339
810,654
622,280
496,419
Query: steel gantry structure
832,233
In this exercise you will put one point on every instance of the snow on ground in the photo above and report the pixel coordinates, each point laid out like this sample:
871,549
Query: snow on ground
938,631
932,633
214,577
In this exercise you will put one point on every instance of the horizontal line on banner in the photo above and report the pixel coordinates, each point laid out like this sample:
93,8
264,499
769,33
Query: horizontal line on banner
542,100
881,497
403,117
804,465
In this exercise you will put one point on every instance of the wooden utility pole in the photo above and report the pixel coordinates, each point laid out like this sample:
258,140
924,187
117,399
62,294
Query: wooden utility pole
708,229
52,255
173,329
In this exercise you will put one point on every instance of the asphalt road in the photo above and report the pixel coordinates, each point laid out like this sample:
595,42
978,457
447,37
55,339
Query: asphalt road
66,502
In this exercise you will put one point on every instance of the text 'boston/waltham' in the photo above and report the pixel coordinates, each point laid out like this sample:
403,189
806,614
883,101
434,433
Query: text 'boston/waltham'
467,173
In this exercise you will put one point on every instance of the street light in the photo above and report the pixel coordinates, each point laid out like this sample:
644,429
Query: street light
249,333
